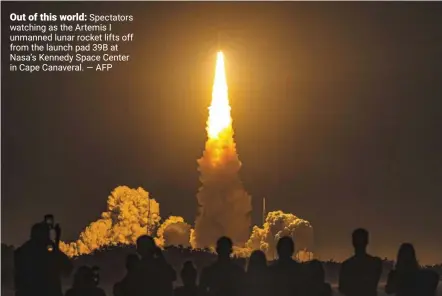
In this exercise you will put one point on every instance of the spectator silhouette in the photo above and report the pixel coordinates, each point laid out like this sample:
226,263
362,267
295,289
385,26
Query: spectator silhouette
154,275
402,281
315,280
360,274
407,279
128,285
224,277
257,276
427,282
286,273
84,284
39,264
189,276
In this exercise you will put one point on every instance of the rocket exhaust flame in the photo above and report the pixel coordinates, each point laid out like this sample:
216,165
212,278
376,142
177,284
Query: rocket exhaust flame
219,110
224,206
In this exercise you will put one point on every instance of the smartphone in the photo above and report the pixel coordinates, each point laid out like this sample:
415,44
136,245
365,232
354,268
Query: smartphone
49,219
96,272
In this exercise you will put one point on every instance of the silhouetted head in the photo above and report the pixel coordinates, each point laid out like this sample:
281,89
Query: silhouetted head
40,233
257,261
84,277
189,274
315,271
406,258
360,239
146,246
285,247
224,247
131,262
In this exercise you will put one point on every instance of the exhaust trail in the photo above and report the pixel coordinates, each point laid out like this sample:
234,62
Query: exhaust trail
224,206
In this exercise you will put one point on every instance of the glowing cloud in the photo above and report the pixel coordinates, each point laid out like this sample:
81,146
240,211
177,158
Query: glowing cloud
130,214
277,225
174,231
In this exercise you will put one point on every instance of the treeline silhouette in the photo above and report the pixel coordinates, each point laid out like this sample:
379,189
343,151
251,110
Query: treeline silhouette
38,267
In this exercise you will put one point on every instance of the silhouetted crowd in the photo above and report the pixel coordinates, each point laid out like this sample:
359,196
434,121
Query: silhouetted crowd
40,265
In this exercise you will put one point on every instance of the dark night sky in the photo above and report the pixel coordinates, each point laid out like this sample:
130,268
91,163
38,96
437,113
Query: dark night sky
337,112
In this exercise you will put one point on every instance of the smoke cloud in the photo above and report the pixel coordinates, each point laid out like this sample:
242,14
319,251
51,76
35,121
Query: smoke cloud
224,206
130,214
277,225
174,231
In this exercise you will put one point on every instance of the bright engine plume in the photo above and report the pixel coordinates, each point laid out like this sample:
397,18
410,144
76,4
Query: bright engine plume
219,110
224,206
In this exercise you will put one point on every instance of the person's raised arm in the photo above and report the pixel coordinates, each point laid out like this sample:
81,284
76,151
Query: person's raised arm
63,261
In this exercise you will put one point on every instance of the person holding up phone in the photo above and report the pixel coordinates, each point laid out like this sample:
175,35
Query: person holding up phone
39,263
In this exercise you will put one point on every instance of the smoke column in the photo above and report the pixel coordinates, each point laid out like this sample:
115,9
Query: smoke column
224,206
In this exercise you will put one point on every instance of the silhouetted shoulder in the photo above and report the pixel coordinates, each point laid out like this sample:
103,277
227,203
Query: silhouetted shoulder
377,263
429,274
375,259
428,281
369,259
19,251
348,261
